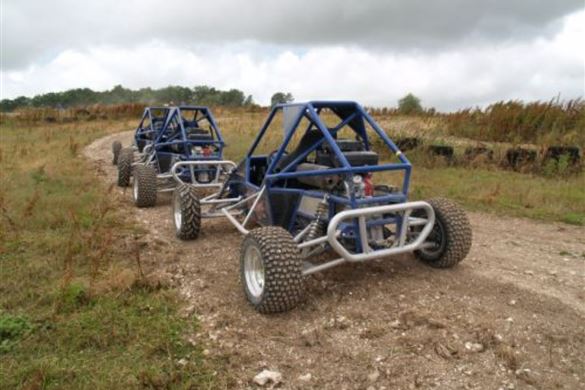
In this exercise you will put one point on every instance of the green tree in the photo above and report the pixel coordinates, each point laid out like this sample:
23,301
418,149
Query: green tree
281,98
249,101
409,104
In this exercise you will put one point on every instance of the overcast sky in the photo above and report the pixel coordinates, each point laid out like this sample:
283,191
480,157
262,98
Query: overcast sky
450,53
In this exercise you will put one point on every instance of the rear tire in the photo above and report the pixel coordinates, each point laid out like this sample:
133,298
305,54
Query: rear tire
186,212
116,147
271,270
451,234
144,189
125,160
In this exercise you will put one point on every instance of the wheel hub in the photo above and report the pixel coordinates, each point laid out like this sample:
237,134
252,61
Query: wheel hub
437,238
135,189
254,271
178,217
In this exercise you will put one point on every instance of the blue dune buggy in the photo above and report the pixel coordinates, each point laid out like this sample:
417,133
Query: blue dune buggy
188,134
316,191
151,123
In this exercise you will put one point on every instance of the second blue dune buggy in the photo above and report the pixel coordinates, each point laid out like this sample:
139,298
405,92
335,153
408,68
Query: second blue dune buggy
310,187
150,125
187,134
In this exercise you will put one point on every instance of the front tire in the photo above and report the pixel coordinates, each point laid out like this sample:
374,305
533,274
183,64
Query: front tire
451,235
271,270
186,212
116,148
125,160
144,188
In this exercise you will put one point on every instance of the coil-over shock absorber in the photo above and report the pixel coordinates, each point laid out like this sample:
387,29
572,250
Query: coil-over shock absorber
317,225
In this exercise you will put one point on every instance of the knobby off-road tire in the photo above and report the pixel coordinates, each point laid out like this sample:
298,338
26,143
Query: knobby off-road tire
125,160
144,189
278,284
452,232
116,148
186,212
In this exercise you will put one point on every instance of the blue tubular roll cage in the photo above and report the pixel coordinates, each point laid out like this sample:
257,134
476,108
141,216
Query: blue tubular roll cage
181,137
352,115
148,134
174,133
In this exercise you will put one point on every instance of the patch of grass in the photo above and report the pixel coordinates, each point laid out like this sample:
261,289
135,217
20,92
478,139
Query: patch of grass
131,340
61,235
505,193
574,218
12,328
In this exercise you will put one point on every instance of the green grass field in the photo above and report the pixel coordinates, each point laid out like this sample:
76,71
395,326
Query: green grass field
74,312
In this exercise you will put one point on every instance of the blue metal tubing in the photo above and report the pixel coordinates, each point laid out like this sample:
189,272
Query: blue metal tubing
141,132
316,145
202,158
342,200
338,171
190,142
285,143
209,117
313,116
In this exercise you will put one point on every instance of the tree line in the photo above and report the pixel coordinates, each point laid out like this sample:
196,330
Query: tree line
203,95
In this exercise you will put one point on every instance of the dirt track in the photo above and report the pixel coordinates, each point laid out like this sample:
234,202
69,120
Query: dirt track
512,315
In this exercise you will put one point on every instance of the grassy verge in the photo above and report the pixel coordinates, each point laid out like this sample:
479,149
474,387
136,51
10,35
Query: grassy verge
505,193
74,311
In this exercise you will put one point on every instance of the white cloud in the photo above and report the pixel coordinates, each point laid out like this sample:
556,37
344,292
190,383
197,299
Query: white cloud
449,79
35,29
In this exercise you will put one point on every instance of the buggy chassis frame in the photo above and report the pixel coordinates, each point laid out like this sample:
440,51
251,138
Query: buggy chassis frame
151,152
354,217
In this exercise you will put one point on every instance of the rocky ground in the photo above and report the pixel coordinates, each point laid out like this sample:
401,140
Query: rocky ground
511,316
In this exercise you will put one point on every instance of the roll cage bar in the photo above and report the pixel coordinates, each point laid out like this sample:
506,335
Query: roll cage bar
174,131
351,114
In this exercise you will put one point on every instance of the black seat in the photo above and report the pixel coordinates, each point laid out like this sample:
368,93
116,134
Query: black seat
197,134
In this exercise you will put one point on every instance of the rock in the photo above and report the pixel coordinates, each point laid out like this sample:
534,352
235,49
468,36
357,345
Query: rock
267,376
305,378
309,338
474,347
395,324
512,302
443,351
526,375
373,376
529,272
183,362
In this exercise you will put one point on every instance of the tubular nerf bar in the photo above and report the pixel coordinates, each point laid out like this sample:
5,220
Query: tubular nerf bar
217,164
400,245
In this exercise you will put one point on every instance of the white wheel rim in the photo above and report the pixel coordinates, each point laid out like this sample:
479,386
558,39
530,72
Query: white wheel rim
178,217
254,271
135,189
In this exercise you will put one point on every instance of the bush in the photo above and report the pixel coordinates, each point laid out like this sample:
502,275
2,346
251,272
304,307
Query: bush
409,104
